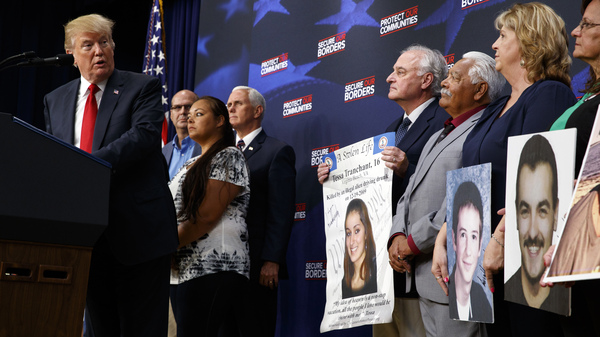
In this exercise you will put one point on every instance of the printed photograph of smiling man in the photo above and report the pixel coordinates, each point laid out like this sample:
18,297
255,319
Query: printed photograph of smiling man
539,182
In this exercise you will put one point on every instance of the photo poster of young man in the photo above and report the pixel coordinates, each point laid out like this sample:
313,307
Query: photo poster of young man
468,233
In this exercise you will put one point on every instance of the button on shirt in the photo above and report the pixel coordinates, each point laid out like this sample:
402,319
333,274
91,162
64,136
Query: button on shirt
180,156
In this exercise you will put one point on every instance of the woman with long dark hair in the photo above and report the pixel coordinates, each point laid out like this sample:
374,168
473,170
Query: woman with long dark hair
211,194
360,265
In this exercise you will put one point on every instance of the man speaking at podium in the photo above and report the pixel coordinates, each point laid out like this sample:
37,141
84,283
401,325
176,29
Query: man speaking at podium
117,116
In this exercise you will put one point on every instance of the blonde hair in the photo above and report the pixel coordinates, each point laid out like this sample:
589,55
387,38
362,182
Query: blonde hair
543,40
94,23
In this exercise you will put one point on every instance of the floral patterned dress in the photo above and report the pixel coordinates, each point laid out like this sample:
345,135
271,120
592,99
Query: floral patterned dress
225,247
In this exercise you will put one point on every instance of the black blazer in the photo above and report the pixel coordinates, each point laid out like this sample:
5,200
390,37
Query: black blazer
431,120
142,224
480,306
272,201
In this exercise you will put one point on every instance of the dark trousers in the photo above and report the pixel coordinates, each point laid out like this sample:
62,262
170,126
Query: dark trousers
127,300
173,297
259,305
526,322
205,305
502,323
584,308
516,320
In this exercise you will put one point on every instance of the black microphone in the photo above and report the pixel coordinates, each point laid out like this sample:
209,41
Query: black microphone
58,60
25,55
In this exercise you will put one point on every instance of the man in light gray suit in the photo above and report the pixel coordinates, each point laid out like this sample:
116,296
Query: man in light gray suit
471,85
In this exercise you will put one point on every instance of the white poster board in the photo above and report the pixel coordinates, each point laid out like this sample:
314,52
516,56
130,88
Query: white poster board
576,256
358,218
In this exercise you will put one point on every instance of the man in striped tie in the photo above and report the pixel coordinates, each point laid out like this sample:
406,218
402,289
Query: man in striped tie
415,87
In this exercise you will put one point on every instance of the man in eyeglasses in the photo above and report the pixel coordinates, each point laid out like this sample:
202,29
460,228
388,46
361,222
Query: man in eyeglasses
182,148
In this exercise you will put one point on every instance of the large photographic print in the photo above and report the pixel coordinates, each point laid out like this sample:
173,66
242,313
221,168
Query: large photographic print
358,217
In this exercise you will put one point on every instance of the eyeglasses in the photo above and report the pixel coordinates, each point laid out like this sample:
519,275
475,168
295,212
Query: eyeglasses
177,107
583,25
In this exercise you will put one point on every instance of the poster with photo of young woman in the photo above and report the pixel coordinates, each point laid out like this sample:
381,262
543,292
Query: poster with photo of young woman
358,218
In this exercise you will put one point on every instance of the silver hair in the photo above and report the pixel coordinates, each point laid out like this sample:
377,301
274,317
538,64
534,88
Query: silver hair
432,62
255,97
484,70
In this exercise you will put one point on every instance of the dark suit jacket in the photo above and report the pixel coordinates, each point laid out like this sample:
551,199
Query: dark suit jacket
167,151
431,120
272,201
142,224
481,307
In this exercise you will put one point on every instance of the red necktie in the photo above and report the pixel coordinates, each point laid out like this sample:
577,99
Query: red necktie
89,120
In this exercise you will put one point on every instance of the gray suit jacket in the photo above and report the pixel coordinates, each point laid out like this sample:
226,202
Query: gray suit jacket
421,211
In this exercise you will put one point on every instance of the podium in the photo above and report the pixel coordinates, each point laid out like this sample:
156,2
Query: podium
53,207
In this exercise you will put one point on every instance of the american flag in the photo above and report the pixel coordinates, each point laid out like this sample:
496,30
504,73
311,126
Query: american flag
155,63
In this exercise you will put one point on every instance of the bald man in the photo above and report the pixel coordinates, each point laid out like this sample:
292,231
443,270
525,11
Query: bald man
182,148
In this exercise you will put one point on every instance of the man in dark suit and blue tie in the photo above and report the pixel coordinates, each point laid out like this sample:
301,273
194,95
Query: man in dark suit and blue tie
415,87
271,210
117,116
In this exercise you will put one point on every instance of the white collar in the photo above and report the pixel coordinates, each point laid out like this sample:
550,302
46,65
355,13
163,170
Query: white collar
249,137
85,85
417,112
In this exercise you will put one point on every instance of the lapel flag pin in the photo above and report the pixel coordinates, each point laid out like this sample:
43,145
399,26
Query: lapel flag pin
116,92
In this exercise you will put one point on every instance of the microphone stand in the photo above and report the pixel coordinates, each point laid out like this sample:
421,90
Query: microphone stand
32,61
29,55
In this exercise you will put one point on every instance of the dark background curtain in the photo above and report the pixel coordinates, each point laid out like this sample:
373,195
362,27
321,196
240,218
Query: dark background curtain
181,29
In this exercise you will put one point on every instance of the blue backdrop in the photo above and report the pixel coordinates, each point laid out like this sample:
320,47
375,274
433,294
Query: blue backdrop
321,64
322,67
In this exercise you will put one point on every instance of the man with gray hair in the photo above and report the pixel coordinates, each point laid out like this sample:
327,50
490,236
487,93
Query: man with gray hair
271,210
421,211
415,84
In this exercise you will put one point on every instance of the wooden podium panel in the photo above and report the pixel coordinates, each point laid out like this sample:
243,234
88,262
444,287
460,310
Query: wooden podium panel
35,277
53,207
